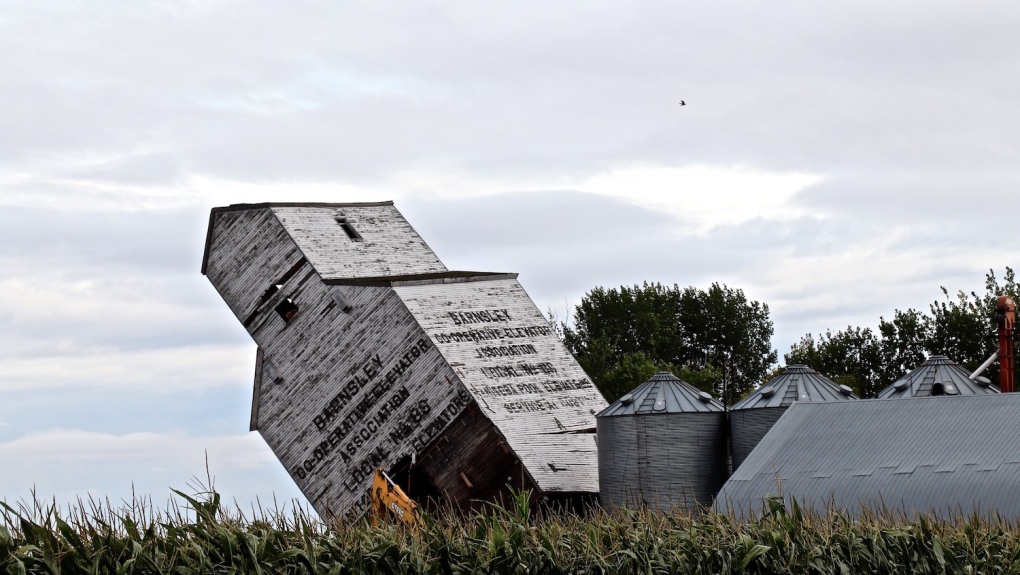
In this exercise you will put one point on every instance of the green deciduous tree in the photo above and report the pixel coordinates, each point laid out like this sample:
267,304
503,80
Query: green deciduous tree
715,339
961,326
903,345
852,357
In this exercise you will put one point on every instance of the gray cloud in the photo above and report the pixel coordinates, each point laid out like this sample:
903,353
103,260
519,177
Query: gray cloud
565,243
522,221
219,410
907,111
354,92
123,280
151,241
69,463
947,198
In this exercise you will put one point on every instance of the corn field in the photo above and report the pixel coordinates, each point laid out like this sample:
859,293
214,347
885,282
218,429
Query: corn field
198,535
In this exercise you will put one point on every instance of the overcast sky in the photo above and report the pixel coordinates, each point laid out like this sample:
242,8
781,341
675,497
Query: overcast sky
834,161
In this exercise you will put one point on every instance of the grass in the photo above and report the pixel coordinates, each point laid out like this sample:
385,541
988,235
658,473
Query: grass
197,534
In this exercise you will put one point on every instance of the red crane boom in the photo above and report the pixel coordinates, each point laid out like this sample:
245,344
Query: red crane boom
1005,316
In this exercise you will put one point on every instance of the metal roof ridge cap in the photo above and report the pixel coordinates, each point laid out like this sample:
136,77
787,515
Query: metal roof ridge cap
446,277
454,280
263,205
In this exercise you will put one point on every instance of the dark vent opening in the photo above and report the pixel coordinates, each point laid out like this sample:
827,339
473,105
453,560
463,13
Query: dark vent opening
938,389
349,229
287,309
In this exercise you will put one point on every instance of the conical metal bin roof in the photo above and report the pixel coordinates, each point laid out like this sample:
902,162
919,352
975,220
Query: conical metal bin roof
663,393
937,373
795,383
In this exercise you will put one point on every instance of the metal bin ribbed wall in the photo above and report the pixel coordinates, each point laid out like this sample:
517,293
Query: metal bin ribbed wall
747,427
662,460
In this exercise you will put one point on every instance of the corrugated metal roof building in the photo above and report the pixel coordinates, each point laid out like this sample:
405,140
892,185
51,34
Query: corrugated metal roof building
662,445
942,454
753,416
939,375
371,353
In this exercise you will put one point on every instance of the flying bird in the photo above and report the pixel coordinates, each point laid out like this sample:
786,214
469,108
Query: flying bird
682,103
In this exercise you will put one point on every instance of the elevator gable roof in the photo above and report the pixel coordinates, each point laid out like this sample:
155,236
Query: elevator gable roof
795,383
927,377
663,393
344,241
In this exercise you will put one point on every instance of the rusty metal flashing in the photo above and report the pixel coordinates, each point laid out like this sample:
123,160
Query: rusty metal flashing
451,277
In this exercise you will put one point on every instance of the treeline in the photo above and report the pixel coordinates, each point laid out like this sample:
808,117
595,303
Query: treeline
961,326
715,339
721,342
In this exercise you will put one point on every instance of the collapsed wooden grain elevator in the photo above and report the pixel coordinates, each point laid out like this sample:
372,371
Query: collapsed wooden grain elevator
371,353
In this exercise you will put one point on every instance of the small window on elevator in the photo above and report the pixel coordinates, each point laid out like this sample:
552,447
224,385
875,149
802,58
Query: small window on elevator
287,309
349,229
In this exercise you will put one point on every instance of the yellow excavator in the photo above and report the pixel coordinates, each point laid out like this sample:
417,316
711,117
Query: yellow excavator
389,500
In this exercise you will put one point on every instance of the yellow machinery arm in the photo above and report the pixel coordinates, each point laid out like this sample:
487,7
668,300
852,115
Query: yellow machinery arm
388,499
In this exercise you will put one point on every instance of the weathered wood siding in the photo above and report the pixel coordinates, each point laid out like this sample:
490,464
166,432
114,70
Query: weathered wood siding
350,392
389,245
520,374
339,393
249,250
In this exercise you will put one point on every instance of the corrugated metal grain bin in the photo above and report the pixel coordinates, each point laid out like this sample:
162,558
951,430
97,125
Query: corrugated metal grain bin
939,375
662,445
753,416
954,457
